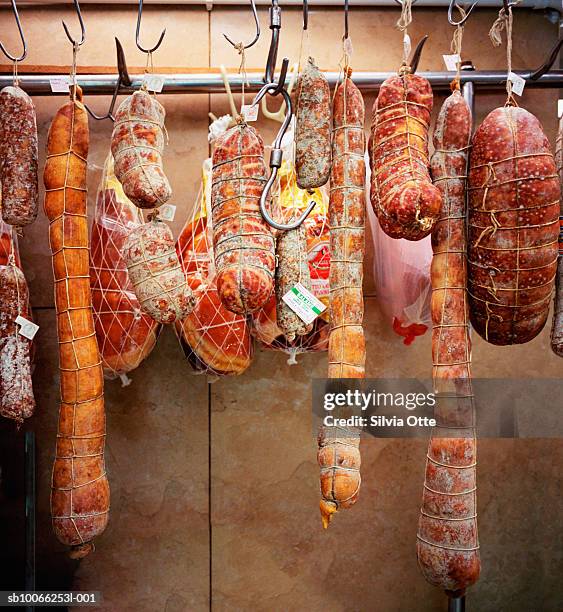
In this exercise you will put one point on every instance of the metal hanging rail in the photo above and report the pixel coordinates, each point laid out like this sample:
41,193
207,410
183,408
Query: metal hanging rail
102,84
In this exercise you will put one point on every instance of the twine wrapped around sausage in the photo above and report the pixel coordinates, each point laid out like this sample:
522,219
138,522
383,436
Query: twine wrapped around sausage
447,539
137,144
557,327
155,271
514,207
80,489
242,240
339,454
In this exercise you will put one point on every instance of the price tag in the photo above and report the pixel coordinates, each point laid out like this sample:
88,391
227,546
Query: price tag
406,46
167,212
451,61
303,303
60,84
518,83
154,82
559,108
348,48
28,329
249,112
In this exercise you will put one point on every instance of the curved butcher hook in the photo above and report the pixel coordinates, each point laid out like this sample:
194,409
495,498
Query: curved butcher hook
276,155
256,23
546,66
454,4
82,28
415,59
138,33
24,44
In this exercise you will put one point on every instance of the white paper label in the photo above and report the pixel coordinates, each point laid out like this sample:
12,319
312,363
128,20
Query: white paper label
348,48
303,303
249,112
518,83
451,61
559,108
60,84
406,46
28,329
154,82
167,212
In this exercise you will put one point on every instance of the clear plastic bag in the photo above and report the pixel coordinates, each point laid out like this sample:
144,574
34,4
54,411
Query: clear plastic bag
401,270
215,341
125,334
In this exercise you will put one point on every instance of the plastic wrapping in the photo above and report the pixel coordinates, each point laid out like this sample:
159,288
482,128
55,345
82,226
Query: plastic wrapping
215,341
287,202
401,270
125,335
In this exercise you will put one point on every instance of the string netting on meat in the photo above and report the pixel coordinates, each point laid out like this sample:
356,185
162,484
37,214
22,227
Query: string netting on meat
215,341
125,334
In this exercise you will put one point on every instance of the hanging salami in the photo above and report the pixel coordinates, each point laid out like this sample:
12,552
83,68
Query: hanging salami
448,546
403,197
18,157
243,242
513,229
125,334
80,489
339,455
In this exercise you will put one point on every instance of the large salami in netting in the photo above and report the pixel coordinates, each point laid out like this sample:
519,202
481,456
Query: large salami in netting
125,334
215,340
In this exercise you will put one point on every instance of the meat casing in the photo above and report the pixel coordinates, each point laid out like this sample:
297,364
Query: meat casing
312,128
402,195
155,271
125,335
447,546
80,489
339,454
137,144
292,268
16,389
243,243
513,227
557,328
18,157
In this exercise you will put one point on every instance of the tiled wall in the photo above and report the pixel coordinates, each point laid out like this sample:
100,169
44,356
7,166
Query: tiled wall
241,451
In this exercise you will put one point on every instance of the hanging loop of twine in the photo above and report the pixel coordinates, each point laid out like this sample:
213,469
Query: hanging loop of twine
242,70
504,22
75,50
456,45
15,78
403,23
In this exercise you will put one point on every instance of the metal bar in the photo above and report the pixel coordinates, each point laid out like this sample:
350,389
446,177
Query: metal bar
29,477
100,84
456,604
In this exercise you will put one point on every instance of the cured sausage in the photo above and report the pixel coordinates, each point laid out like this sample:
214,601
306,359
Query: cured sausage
557,328
312,128
403,197
513,227
243,242
18,157
125,334
447,542
339,455
137,144
80,489
292,268
16,389
154,268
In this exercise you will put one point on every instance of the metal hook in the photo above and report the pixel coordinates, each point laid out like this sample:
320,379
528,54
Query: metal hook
506,4
305,15
138,31
546,66
82,28
275,26
276,156
18,23
415,59
451,10
345,20
123,80
256,23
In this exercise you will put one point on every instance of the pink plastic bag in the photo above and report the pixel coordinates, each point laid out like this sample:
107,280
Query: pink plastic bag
401,272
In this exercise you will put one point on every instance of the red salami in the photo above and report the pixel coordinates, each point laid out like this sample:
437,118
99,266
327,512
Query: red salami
18,157
513,227
402,195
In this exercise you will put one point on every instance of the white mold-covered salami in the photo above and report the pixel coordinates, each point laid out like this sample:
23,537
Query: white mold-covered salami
292,268
155,271
18,157
137,144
